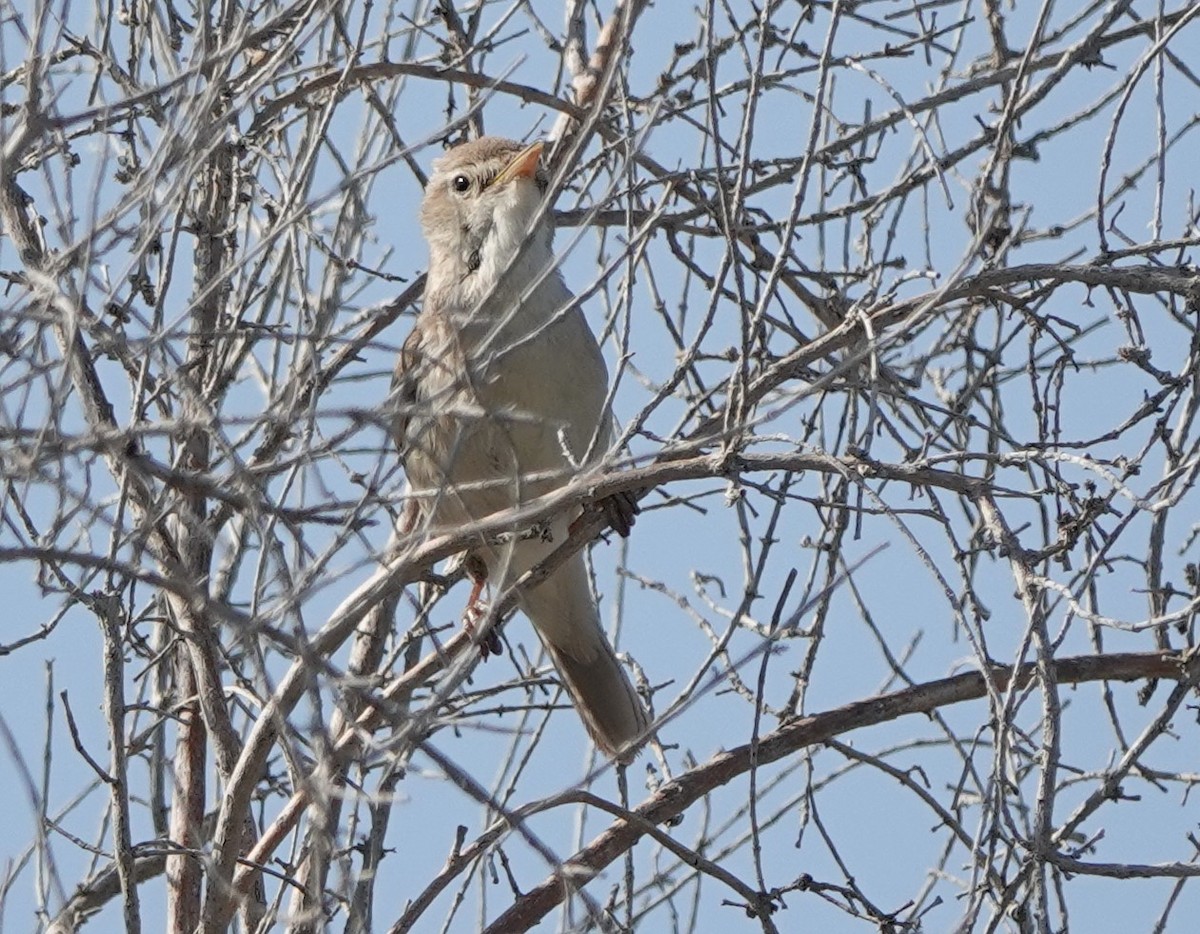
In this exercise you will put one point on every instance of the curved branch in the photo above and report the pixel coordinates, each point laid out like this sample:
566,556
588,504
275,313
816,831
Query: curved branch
675,797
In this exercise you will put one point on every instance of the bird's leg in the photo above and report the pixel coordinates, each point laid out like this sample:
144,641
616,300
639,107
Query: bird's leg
476,610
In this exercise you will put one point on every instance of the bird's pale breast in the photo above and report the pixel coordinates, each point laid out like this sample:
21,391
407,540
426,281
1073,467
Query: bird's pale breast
505,427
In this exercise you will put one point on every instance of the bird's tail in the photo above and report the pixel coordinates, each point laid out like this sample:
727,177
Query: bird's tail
565,616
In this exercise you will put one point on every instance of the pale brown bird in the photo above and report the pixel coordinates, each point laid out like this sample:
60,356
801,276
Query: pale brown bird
502,391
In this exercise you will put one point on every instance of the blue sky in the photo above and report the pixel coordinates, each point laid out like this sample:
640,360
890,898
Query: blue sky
886,838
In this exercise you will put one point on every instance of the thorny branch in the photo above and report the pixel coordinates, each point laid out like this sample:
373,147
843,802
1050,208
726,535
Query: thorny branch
864,274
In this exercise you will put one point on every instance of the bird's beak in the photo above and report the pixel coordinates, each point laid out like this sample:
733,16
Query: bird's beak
523,165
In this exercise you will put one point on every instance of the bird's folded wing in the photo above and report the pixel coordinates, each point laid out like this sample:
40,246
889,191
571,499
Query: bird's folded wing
404,387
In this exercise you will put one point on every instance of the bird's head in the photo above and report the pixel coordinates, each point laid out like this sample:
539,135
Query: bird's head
480,203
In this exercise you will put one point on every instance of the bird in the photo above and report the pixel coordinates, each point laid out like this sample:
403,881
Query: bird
501,397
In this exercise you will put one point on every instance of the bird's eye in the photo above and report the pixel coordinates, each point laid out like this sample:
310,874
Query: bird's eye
461,183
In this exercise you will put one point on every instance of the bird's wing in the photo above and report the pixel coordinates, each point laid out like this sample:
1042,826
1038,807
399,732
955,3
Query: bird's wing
404,397
405,386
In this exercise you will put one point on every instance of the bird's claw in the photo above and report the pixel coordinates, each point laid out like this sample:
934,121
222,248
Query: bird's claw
620,511
476,612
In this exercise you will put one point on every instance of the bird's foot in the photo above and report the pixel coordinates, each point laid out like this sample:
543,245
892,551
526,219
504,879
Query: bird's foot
475,613
620,510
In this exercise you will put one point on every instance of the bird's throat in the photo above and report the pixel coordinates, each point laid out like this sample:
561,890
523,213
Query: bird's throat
493,282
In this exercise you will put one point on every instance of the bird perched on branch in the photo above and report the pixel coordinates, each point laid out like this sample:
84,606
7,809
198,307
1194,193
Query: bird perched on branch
502,395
